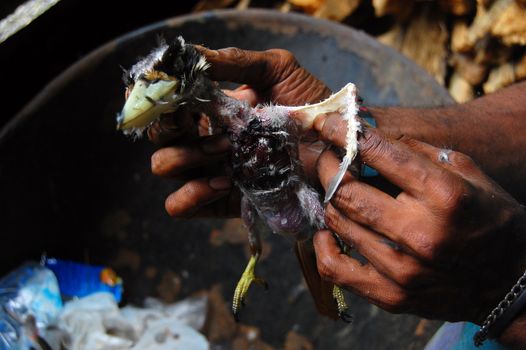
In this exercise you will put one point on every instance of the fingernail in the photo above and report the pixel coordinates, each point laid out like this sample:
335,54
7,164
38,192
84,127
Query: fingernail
220,183
216,145
319,121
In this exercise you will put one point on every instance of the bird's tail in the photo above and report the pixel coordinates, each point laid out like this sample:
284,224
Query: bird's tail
321,291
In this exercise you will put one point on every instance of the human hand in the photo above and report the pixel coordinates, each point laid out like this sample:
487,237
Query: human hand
449,246
269,76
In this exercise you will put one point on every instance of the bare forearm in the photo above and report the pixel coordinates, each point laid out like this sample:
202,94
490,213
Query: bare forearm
491,129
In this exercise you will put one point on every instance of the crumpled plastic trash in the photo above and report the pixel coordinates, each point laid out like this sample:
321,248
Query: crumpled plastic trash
29,293
95,322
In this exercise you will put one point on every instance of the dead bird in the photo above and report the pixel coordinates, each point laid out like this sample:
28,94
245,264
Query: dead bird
264,158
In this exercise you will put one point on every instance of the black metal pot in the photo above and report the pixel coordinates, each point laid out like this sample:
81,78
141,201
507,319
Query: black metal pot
72,186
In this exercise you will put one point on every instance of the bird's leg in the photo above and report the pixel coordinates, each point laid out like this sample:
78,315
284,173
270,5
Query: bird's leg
249,216
337,292
313,209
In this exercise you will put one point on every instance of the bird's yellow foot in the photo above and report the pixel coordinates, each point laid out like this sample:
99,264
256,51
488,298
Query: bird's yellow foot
338,296
244,283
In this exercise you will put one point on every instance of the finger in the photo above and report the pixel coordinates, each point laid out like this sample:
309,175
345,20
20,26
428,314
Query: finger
363,280
257,68
166,129
332,128
309,153
414,173
456,162
326,169
362,202
224,207
245,94
388,257
196,194
174,160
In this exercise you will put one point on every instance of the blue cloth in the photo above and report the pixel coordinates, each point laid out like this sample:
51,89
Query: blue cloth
459,336
367,171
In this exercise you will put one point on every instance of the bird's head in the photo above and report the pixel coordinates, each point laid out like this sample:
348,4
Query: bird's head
170,76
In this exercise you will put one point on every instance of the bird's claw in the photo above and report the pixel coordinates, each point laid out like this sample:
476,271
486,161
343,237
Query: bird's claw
339,298
244,284
345,317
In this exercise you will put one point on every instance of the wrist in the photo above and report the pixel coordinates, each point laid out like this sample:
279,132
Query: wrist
425,124
510,321
514,335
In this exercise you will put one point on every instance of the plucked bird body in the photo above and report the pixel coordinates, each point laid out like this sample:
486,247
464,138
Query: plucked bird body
264,160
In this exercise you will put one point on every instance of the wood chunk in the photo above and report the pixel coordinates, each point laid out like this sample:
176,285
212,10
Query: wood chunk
393,38
336,10
474,73
460,89
505,74
243,4
400,8
457,7
520,68
459,37
489,51
484,20
296,341
309,6
510,26
499,77
205,5
425,41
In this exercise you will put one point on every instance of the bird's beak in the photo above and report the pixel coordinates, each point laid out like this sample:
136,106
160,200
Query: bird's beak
146,102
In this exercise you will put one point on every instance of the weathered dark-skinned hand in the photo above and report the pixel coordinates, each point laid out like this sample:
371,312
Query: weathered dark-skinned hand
448,246
268,76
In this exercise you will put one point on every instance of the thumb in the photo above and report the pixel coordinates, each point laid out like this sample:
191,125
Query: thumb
256,68
331,128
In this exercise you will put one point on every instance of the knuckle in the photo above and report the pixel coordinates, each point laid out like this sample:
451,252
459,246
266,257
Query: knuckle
455,196
396,302
460,159
238,55
327,267
409,141
355,203
335,220
283,55
280,63
335,129
429,247
409,276
372,146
